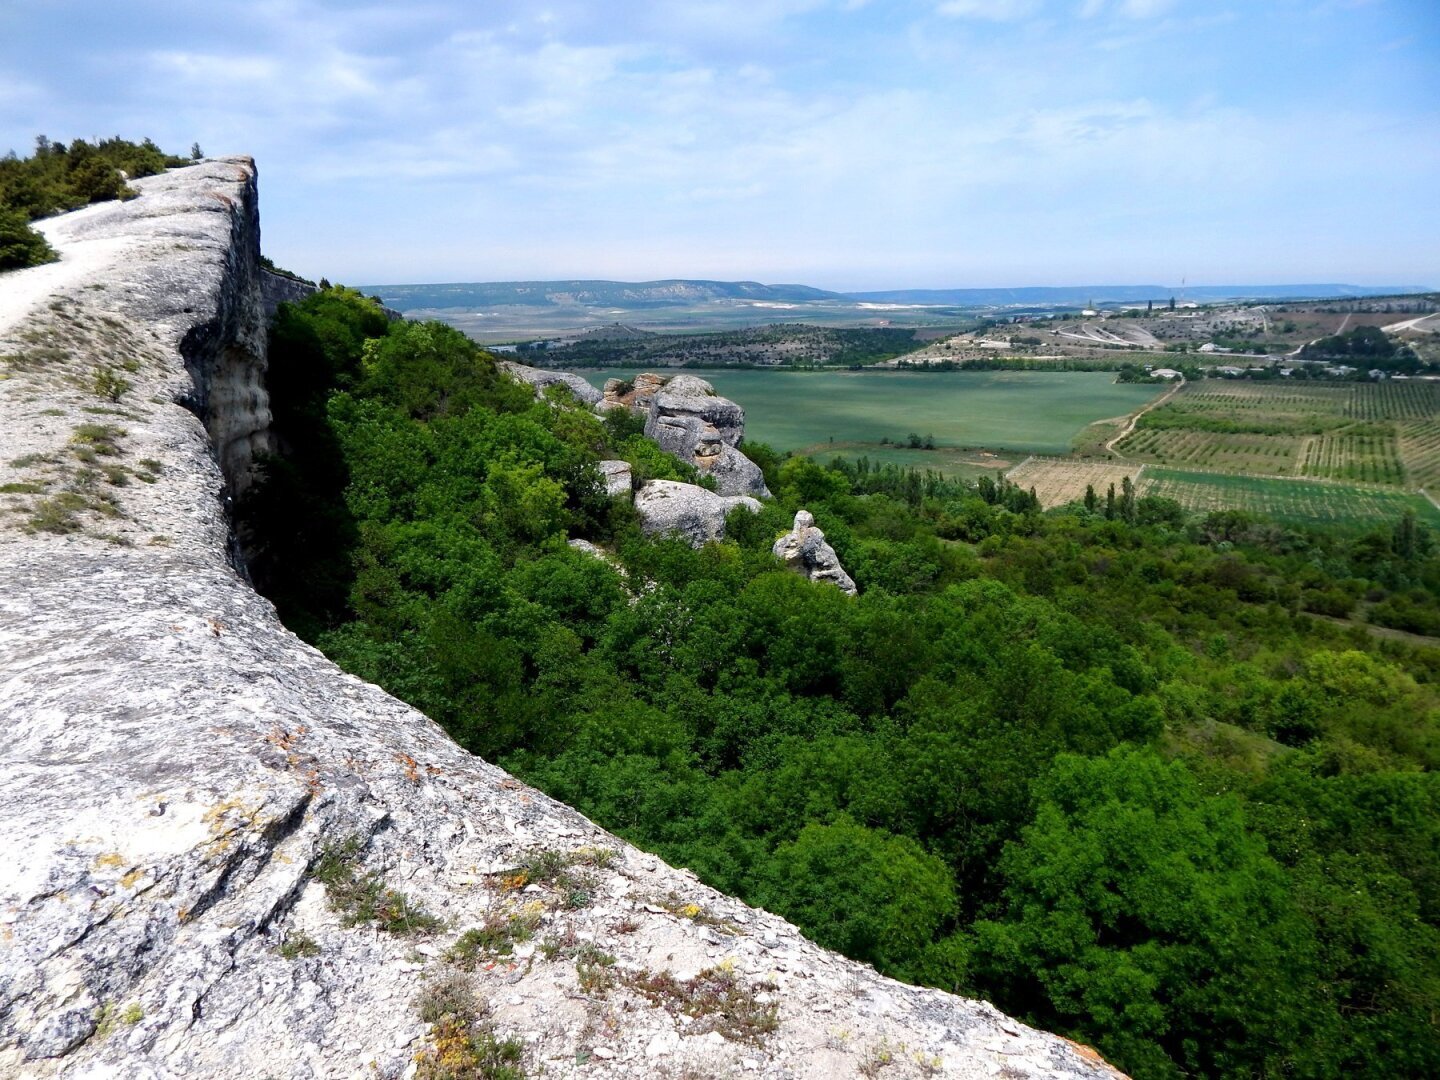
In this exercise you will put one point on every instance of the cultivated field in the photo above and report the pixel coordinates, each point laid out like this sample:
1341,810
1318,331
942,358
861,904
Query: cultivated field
1420,451
1302,502
1374,433
1267,455
1022,412
1058,481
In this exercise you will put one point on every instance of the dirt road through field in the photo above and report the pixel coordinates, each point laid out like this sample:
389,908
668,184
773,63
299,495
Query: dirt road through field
1433,319
1135,417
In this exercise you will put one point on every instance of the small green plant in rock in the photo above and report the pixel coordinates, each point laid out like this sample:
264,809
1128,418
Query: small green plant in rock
563,872
298,945
716,998
109,383
497,936
57,513
96,439
463,1044
363,897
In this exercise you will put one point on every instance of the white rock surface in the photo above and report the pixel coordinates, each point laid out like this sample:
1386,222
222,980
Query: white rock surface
173,764
618,482
805,549
542,378
698,515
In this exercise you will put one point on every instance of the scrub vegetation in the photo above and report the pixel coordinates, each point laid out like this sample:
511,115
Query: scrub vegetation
1137,776
57,177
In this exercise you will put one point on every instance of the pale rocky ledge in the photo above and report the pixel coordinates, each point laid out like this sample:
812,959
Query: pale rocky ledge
174,763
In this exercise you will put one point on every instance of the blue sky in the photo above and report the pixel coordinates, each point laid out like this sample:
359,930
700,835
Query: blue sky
846,144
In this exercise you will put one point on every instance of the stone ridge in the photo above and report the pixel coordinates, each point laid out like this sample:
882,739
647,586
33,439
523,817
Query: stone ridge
178,768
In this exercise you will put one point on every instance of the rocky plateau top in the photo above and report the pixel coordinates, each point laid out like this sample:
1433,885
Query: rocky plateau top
224,857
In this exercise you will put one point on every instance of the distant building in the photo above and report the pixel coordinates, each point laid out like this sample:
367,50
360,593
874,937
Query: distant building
1230,372
1165,373
1211,347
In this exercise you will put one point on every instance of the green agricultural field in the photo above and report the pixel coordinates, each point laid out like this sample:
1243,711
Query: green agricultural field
1023,412
1299,502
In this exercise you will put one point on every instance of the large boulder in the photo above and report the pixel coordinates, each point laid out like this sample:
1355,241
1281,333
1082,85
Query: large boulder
689,395
734,473
805,549
540,378
666,506
692,423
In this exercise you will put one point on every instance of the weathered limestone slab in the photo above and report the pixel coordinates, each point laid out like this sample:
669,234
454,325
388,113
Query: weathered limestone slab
694,513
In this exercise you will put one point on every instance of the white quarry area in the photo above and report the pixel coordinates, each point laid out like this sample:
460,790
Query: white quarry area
178,767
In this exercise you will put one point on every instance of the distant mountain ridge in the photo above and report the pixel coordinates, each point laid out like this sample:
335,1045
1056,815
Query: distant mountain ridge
628,294
675,292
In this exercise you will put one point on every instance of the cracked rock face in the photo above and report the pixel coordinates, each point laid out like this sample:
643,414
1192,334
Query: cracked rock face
617,476
805,549
193,799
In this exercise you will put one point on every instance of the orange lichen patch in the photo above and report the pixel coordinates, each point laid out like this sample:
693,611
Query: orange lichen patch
1090,1054
133,878
514,882
412,767
111,861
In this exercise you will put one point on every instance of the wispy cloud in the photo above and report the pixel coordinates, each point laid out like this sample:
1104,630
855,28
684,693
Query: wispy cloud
994,10
835,141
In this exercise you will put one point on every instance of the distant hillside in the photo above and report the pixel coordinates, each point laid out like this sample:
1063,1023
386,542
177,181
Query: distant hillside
763,346
637,294
1077,295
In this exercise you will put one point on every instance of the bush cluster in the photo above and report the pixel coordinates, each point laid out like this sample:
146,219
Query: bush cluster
57,177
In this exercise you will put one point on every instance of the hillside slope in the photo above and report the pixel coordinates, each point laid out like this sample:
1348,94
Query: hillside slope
227,858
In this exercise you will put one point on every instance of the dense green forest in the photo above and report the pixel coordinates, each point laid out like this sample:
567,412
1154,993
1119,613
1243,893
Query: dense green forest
1097,766
57,177
785,344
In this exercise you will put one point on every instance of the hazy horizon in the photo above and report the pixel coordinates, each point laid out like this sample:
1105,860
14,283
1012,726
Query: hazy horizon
852,145
1381,281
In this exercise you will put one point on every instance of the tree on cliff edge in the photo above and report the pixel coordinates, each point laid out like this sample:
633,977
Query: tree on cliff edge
21,245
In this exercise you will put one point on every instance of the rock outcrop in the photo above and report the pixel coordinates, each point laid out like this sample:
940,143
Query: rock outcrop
695,425
694,513
277,289
805,549
226,858
541,378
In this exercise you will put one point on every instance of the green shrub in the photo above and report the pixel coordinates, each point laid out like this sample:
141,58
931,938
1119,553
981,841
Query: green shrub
20,245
